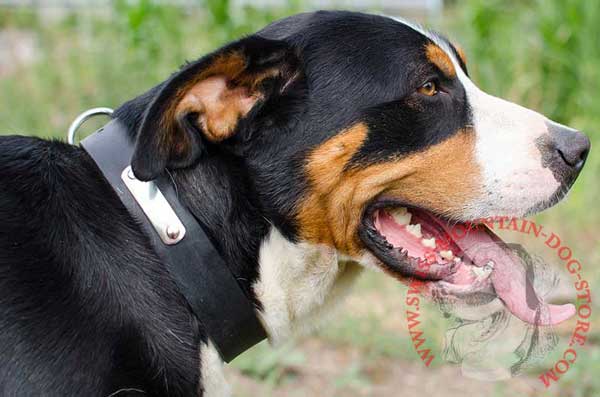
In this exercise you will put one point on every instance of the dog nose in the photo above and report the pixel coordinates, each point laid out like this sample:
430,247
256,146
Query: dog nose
572,146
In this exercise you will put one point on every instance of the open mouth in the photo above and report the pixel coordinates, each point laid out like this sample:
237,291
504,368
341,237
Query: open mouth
453,261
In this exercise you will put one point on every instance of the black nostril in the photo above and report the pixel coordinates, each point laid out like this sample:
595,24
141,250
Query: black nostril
574,161
572,146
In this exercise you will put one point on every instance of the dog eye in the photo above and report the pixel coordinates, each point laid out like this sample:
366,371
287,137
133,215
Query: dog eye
429,89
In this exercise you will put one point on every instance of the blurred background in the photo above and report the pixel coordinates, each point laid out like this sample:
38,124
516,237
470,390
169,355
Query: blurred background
60,57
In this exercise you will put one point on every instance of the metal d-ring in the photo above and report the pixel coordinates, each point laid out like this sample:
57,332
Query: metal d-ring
82,118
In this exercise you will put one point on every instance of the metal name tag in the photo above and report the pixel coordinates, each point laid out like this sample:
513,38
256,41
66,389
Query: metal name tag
156,207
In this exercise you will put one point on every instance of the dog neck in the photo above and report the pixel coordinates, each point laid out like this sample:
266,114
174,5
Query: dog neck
293,284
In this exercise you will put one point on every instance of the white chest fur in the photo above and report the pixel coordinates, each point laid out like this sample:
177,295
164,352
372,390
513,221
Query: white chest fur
298,286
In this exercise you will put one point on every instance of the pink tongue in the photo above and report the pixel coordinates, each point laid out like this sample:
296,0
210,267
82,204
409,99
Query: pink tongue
398,236
508,277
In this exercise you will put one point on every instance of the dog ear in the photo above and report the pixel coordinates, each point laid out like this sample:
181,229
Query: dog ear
204,102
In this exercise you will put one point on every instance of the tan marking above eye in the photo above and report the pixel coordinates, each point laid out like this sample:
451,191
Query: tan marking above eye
440,58
461,53
443,178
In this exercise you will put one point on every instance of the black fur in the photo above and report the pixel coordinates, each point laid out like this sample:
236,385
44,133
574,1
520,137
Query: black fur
86,307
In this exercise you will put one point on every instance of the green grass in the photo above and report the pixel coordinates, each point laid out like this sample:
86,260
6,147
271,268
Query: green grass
542,54
87,60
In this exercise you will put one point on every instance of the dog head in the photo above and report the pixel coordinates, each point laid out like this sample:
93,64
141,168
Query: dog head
361,133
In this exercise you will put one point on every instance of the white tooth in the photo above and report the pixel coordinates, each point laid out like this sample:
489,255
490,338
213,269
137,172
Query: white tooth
457,260
476,271
428,242
415,230
482,271
401,216
448,255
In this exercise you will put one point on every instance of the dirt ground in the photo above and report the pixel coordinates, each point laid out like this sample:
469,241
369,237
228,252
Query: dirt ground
334,366
327,371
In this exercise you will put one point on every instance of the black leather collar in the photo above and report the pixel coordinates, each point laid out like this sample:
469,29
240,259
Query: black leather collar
212,292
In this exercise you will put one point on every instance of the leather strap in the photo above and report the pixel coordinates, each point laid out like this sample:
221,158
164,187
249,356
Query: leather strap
202,276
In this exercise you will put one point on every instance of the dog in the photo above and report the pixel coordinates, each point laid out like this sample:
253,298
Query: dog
325,143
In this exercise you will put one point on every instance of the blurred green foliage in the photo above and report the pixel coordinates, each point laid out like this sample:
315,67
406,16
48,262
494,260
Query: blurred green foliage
269,365
542,54
106,56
